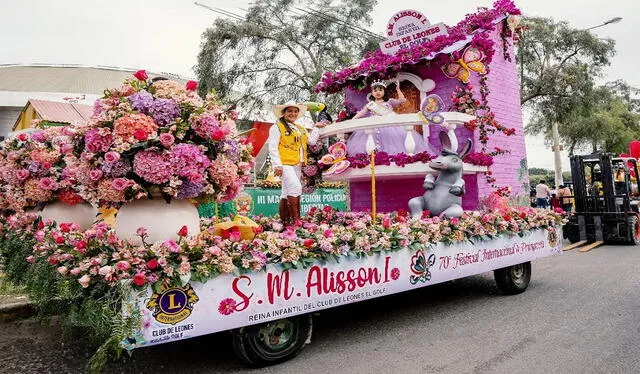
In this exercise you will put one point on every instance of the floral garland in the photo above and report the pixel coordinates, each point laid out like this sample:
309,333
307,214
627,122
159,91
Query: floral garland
377,65
96,257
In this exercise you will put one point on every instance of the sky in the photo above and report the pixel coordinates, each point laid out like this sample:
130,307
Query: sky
164,36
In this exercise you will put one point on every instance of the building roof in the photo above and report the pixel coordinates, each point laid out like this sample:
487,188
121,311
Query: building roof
67,78
53,111
62,112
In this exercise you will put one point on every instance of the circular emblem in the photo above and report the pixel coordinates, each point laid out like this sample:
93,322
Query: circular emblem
173,301
172,305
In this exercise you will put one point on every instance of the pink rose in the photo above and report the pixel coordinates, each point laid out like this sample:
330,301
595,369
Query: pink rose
141,231
166,139
172,246
195,178
105,271
22,174
66,148
123,265
63,270
87,156
111,156
84,281
120,184
95,174
47,184
31,259
68,131
75,271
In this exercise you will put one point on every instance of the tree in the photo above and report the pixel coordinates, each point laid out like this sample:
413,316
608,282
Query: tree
558,62
607,121
279,51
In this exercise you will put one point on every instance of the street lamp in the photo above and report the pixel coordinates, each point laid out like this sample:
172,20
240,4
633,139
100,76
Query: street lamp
557,157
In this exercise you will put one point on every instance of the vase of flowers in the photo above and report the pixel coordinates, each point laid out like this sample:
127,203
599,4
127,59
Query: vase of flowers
152,146
37,170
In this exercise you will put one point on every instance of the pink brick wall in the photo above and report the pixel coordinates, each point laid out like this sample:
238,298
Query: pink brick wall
508,169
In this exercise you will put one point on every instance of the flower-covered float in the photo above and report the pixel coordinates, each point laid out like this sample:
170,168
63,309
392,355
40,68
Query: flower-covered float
156,142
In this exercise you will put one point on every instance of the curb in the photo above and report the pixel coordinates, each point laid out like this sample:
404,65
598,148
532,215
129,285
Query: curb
14,311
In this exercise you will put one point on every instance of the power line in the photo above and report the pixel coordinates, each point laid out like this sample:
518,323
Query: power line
220,11
336,20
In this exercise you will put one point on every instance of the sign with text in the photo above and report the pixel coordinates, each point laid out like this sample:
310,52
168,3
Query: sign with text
408,28
262,201
229,301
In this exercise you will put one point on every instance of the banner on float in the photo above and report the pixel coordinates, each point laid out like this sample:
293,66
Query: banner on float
227,302
261,201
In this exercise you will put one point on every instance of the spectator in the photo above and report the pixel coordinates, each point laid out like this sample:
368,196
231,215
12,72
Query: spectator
565,201
542,195
555,202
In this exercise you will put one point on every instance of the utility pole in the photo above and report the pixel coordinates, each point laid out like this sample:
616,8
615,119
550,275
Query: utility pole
555,135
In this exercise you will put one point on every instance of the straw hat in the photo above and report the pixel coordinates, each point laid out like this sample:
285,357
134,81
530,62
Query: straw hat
279,109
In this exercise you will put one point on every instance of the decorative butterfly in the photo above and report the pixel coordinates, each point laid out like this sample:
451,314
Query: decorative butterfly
420,266
430,109
471,61
336,158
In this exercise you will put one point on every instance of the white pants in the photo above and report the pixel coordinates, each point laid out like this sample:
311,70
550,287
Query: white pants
291,185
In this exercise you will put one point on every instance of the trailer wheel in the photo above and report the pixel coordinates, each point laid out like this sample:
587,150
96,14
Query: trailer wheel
272,342
634,227
513,279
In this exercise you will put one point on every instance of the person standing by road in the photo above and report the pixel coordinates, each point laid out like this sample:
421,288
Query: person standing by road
542,195
565,201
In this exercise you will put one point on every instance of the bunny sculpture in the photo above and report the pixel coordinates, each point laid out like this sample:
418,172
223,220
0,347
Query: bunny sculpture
443,194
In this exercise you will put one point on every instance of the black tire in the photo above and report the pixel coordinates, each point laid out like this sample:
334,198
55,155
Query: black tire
260,345
571,231
634,229
514,279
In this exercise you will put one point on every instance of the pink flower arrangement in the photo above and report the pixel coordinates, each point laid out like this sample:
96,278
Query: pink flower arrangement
96,256
160,137
35,168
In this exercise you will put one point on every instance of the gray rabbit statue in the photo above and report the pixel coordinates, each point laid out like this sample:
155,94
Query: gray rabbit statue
443,195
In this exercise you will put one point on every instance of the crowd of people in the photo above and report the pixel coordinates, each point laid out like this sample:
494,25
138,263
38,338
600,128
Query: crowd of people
542,196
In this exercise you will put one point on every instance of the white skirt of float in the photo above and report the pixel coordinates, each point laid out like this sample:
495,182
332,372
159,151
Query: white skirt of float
83,214
161,219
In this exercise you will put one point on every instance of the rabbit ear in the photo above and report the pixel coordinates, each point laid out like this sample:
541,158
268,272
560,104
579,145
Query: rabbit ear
466,148
444,140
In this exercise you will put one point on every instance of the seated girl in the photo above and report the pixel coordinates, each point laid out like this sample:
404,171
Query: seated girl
387,139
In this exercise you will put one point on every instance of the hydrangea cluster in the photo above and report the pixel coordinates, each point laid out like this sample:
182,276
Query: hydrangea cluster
161,137
37,168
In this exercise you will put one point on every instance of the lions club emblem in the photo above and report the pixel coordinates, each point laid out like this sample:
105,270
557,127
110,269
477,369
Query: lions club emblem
173,305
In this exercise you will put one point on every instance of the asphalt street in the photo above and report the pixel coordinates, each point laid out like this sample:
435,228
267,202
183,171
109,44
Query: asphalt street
580,314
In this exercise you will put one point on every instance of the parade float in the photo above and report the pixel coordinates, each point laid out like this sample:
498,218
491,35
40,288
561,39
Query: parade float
152,148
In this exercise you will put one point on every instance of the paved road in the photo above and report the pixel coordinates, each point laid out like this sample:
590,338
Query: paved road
581,314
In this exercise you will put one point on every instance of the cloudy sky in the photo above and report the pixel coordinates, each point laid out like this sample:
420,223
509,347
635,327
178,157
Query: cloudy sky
164,35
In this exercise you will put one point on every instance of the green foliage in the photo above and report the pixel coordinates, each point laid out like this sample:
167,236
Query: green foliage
558,69
93,314
280,50
558,62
